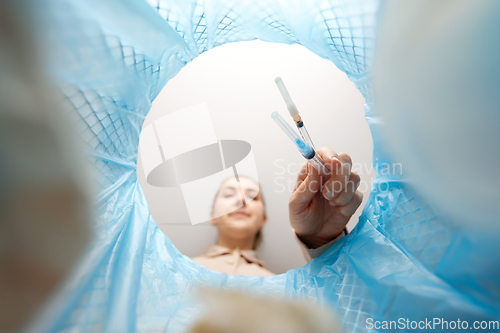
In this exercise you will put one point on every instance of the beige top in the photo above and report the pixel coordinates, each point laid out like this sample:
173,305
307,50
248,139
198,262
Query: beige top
235,262
246,262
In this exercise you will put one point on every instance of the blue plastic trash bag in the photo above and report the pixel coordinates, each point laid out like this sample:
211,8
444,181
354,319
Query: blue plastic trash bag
110,59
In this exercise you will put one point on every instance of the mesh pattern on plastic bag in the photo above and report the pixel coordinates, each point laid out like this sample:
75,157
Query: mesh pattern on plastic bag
112,58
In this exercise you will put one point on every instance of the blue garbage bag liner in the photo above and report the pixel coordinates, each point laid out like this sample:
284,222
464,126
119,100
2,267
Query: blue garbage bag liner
110,59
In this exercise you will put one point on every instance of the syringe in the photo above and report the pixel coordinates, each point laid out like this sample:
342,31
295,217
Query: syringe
305,149
294,112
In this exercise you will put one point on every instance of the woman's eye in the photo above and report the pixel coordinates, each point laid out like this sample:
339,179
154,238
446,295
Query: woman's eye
227,195
252,195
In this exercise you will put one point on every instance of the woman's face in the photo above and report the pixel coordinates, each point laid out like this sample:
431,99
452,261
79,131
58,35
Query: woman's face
236,218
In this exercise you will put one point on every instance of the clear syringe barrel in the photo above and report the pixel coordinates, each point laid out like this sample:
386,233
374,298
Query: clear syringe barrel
305,149
318,164
303,132
312,157
285,127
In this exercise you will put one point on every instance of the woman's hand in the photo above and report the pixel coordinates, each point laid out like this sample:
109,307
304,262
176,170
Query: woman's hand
319,214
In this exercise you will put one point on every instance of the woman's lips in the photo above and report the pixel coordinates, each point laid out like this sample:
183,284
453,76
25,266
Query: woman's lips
238,214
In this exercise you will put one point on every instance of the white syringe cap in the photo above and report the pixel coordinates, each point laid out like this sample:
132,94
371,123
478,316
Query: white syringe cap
292,109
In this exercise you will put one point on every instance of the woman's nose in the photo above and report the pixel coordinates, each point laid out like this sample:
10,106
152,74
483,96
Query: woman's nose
240,199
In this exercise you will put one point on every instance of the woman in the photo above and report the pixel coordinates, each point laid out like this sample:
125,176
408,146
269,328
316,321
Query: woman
319,210
239,220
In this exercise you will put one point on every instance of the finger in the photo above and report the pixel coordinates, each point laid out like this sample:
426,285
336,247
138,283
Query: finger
341,171
348,191
307,189
330,157
349,209
303,172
